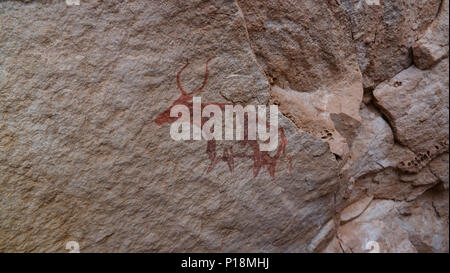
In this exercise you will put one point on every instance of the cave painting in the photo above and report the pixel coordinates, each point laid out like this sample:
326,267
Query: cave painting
247,147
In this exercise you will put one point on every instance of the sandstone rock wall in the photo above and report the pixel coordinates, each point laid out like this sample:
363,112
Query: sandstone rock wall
362,87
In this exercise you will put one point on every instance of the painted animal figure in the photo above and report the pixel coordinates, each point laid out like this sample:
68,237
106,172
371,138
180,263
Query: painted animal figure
261,159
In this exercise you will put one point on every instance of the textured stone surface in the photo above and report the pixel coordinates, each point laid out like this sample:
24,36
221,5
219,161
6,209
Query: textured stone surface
390,184
355,209
433,45
303,46
416,104
372,225
85,151
312,113
385,31
322,238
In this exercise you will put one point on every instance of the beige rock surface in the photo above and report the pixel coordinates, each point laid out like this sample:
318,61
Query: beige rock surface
439,167
416,104
372,226
374,147
312,113
398,227
84,156
433,45
355,209
385,31
307,53
83,160
390,183
303,45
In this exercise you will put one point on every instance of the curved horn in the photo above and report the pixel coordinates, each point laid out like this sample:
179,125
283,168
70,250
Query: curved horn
204,80
179,75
